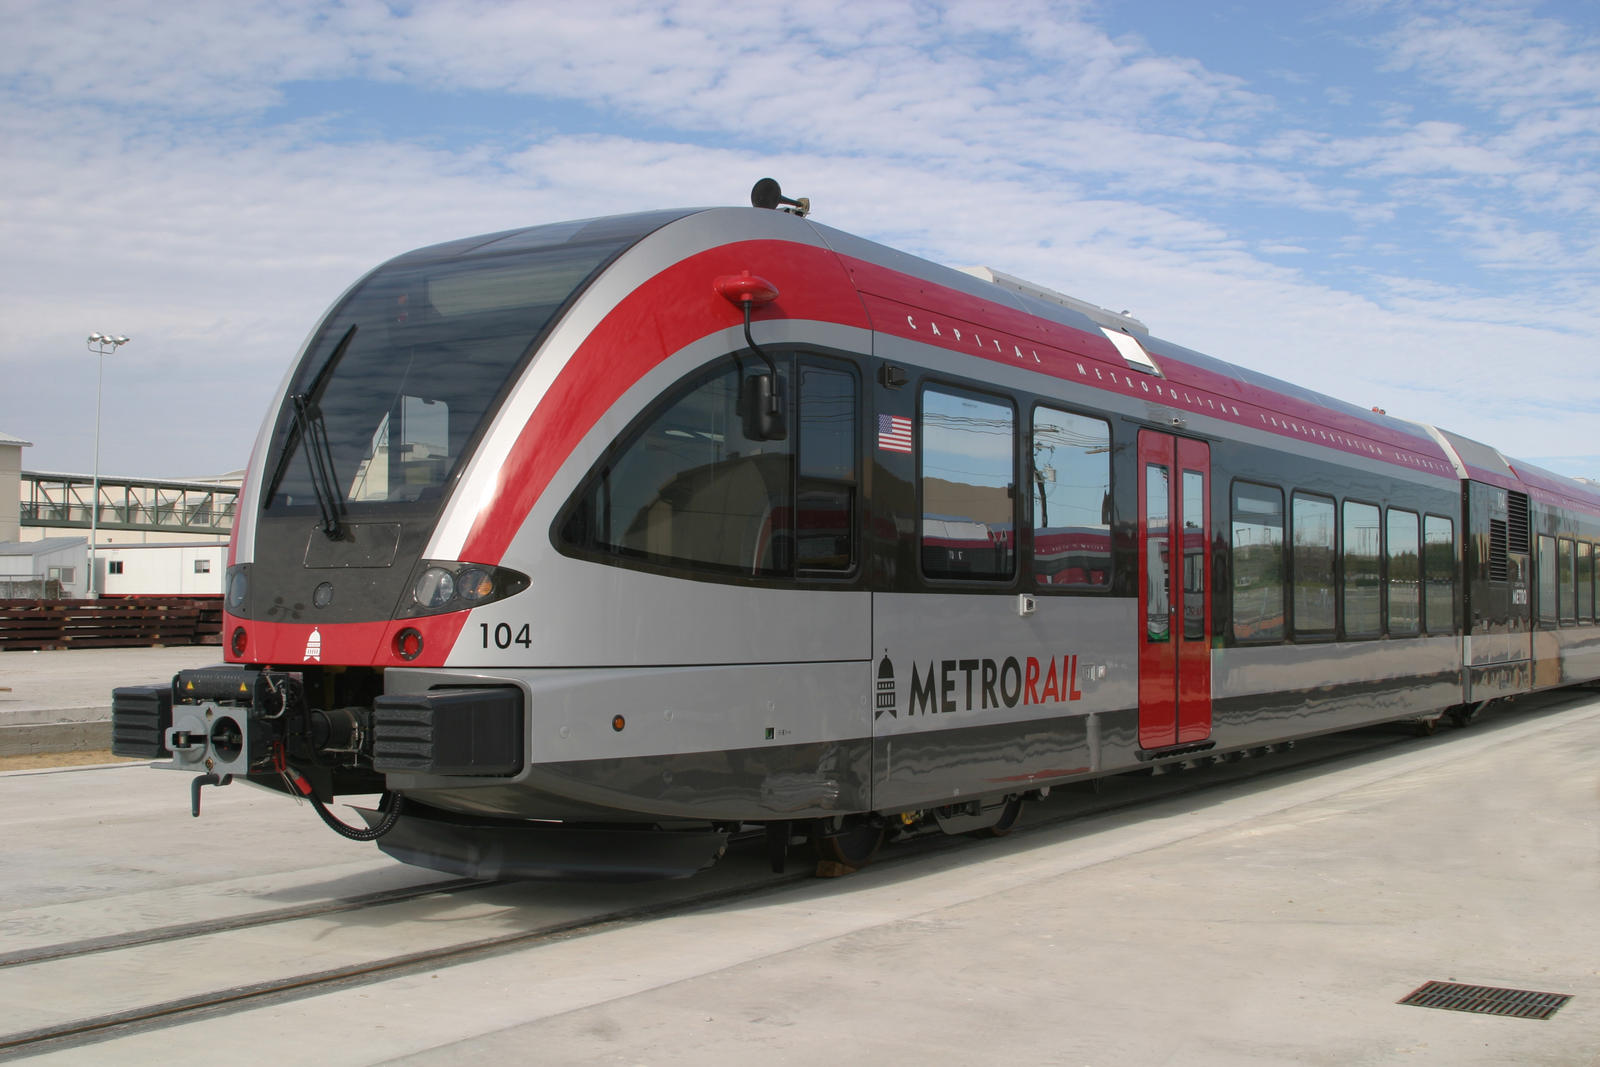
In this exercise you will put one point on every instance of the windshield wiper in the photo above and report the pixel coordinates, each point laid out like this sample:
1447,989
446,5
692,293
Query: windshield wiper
307,429
319,458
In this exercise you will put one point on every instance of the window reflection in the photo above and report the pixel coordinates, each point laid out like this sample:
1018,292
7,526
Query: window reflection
967,465
1363,588
1257,562
1071,501
1314,550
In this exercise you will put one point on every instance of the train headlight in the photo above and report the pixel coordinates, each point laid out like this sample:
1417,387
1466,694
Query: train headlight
438,586
475,584
238,587
434,588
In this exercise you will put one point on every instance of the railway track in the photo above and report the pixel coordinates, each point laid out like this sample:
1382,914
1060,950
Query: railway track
166,975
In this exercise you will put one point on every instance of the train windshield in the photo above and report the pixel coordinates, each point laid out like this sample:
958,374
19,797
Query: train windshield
399,378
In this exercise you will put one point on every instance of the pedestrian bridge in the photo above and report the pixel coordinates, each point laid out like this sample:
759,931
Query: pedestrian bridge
148,505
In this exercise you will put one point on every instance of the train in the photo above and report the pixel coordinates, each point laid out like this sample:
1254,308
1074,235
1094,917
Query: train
585,547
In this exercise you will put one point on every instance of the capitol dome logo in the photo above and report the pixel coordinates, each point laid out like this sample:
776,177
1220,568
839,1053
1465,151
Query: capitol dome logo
888,700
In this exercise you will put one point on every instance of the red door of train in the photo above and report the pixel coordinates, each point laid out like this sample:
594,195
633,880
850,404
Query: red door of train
1175,601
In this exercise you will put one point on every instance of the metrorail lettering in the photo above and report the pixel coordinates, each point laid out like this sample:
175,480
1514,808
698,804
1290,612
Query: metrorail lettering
953,685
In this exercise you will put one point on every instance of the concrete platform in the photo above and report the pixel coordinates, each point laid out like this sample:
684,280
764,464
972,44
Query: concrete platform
1275,920
60,700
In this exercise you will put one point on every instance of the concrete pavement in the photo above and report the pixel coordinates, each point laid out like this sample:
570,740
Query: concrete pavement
1271,920
60,700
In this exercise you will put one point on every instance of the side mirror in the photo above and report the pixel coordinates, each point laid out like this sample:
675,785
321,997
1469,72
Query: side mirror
761,408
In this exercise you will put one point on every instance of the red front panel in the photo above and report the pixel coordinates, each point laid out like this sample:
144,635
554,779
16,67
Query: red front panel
290,645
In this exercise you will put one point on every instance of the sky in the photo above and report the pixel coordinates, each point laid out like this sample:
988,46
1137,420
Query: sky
1395,202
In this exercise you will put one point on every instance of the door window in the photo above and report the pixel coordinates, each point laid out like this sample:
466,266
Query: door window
1158,601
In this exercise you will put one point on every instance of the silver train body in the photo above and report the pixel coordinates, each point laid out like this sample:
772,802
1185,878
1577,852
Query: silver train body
594,542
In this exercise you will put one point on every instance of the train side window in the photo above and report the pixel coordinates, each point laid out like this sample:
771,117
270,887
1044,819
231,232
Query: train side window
1548,579
1439,574
1405,578
687,487
1363,578
1585,582
826,509
1257,562
1313,531
966,472
1568,577
1071,479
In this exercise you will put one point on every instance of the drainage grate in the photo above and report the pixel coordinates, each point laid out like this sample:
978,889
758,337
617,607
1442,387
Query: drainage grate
1487,1000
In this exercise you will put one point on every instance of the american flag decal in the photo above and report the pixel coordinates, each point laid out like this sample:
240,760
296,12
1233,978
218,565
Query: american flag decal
894,433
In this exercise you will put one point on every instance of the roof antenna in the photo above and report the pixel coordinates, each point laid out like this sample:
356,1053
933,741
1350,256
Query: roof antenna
767,193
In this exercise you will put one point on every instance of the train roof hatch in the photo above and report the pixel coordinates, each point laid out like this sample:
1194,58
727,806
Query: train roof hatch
1132,351
1120,328
1116,320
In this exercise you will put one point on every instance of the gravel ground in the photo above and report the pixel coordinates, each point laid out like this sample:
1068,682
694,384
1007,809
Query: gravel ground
61,759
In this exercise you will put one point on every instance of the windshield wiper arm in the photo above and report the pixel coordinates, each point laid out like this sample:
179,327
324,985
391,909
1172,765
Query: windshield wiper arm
319,458
301,407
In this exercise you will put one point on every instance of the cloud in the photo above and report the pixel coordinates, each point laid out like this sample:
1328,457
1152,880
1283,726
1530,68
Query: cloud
177,196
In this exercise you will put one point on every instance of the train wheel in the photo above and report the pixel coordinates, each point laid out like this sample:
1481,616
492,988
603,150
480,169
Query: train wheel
847,848
1008,818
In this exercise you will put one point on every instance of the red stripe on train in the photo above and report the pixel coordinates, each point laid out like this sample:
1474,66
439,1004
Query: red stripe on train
671,310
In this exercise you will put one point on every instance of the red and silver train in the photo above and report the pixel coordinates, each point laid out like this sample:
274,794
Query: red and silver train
585,545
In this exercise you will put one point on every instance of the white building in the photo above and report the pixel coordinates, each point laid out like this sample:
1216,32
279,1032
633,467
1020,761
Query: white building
39,560
11,486
184,568
28,568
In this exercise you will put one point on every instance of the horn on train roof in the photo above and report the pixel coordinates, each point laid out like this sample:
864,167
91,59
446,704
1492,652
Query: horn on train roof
768,194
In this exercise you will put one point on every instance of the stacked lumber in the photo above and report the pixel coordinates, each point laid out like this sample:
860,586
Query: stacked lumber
110,622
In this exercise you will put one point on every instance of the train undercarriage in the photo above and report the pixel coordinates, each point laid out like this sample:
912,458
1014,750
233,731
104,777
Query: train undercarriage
326,733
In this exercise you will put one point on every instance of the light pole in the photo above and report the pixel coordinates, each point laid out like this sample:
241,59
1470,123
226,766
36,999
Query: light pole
102,345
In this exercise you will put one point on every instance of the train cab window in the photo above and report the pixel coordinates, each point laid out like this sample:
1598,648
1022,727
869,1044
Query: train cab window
967,473
1257,562
410,447
1566,571
1585,582
687,488
1548,581
1439,574
1405,577
399,379
1314,552
825,519
1071,479
1363,578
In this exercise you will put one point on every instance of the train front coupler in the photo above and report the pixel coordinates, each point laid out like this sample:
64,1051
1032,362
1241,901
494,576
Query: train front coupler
224,722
